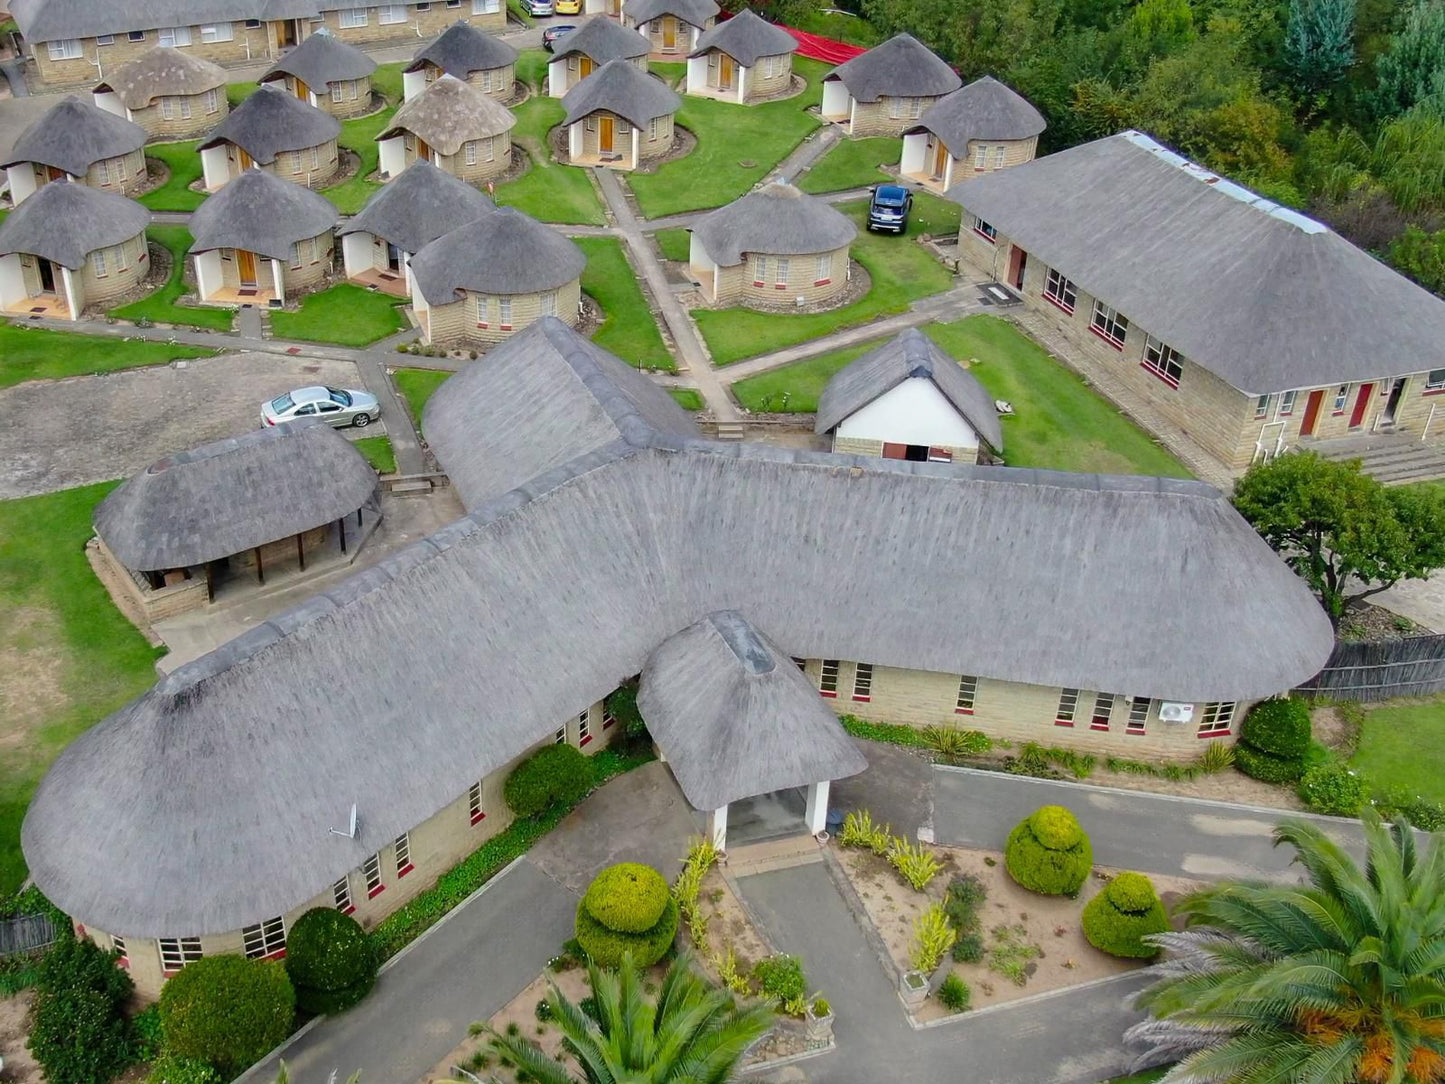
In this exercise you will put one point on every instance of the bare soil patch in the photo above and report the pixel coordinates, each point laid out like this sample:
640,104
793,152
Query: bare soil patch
20,1067
31,663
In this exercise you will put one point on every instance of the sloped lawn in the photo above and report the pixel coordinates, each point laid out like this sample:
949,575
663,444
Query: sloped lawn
161,306
629,329
416,387
33,353
852,163
378,453
345,314
184,162
549,191
675,244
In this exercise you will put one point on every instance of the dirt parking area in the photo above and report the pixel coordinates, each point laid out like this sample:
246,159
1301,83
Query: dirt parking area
63,433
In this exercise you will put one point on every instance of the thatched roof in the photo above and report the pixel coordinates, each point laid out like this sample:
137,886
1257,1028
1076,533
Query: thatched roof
418,206
985,109
624,89
233,495
735,717
602,40
321,59
501,253
449,113
462,49
1261,296
65,222
692,12
270,121
910,356
74,135
746,37
160,72
47,20
259,212
547,399
902,67
776,220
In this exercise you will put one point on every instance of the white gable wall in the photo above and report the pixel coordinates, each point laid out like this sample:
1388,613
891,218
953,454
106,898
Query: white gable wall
915,412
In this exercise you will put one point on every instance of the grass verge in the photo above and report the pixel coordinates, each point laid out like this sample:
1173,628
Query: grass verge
378,453
852,163
629,329
1391,740
675,244
161,307
549,191
345,314
184,162
416,387
687,398
33,353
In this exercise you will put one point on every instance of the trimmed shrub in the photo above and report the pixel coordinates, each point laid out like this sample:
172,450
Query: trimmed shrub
556,775
1118,919
330,961
227,1011
79,1033
621,703
1333,789
780,977
955,995
1266,767
173,1070
1281,727
627,898
1049,853
968,949
607,947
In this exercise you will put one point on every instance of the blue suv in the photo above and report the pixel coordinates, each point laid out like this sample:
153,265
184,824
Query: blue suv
889,208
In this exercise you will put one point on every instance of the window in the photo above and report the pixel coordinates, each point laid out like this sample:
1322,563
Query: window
176,952
341,895
1286,404
1342,395
1261,406
454,3
760,269
549,303
1103,711
391,14
1163,361
136,35
828,678
863,682
825,270
980,156
97,261
102,171
1108,325
105,39
486,7
475,813
781,265
168,108
253,24
295,255
217,32
1435,380
186,108
1138,714
999,154
371,870
652,126
471,151
771,65
504,313
983,229
560,738
403,854
967,695
265,939
351,18
423,7
1216,720
801,664
315,163
584,727
122,954
1068,704
608,719
481,312
63,49
1060,291
121,173
336,91
212,101
171,36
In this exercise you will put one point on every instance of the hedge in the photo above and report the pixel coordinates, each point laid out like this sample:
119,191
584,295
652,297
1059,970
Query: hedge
1047,852
227,1011
1118,919
628,897
891,733
1266,767
79,1032
329,960
1334,789
607,947
170,1069
1280,727
557,775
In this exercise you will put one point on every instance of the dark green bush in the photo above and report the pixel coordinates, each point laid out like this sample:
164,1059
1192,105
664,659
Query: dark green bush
780,977
1280,727
227,1011
968,948
961,902
1118,919
606,947
621,704
628,897
1333,789
79,1033
954,994
1266,767
173,1070
556,775
329,960
1049,853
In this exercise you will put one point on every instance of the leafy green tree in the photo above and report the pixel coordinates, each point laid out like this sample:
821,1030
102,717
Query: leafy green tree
79,1033
1154,28
1421,255
1319,42
1411,69
1341,530
1340,980
692,1034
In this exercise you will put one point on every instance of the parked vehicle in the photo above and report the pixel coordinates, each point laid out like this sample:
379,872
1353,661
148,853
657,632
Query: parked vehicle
567,7
538,9
339,406
552,33
889,208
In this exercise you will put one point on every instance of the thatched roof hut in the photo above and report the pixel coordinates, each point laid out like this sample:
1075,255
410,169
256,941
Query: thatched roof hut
74,135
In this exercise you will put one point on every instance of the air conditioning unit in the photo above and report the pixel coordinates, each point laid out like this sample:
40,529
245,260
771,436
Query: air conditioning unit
1170,712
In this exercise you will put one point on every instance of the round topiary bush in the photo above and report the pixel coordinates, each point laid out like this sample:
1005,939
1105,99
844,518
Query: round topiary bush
227,1011
628,897
329,960
1280,727
1049,853
1266,767
607,947
1334,789
556,775
1118,919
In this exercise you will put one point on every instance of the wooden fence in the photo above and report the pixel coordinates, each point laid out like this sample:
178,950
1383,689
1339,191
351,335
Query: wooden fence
25,934
1411,667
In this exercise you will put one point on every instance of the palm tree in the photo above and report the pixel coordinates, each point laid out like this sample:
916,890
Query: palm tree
693,1034
1337,981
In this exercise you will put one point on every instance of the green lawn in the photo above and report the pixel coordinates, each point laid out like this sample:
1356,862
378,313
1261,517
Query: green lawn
184,162
378,453
359,135
737,146
687,398
1391,743
531,67
161,306
801,382
236,93
416,387
669,73
70,658
902,272
628,329
345,314
31,353
549,191
675,244
853,163
840,26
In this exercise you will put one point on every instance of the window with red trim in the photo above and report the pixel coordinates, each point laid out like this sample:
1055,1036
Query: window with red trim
863,682
176,952
403,854
1138,715
967,695
1166,363
1342,397
1103,711
122,954
265,940
341,895
1060,291
371,870
983,229
1217,719
828,678
584,727
1109,325
1435,381
1068,706
475,813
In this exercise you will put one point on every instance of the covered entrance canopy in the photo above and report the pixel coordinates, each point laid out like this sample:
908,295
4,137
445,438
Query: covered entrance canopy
737,719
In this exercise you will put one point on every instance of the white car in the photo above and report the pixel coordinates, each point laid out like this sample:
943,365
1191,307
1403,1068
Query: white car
339,406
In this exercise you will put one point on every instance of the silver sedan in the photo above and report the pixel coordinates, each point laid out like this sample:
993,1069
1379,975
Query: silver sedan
339,406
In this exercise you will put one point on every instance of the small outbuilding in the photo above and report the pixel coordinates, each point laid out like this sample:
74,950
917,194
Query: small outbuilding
403,218
578,53
78,141
884,91
325,72
671,27
776,246
907,399
486,280
168,92
980,128
173,535
454,126
260,240
276,132
619,117
745,59
466,53
69,246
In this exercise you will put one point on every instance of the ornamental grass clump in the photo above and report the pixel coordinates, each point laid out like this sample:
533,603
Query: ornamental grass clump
1049,853
1121,916
860,831
913,862
627,908
933,936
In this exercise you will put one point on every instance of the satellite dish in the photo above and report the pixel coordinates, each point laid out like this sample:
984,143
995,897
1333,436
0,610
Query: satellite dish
350,832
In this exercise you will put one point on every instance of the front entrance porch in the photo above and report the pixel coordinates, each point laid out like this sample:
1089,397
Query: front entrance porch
926,162
51,306
762,818
383,279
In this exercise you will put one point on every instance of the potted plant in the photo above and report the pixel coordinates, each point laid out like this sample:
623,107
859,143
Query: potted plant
819,1021
914,988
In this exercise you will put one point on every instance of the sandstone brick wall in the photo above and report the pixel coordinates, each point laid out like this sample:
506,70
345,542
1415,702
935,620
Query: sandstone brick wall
191,115
574,74
126,265
657,32
878,119
317,255
124,173
736,285
494,82
157,605
874,448
354,95
656,139
419,26
456,324
492,156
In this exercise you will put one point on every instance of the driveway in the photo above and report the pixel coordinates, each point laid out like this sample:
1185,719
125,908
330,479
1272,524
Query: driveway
64,433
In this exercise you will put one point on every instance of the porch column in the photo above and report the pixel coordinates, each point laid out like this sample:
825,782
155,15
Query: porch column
636,146
278,276
947,170
72,292
717,828
816,812
742,85
574,140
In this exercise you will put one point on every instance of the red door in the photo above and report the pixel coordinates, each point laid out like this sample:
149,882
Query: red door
1362,403
1312,413
1017,260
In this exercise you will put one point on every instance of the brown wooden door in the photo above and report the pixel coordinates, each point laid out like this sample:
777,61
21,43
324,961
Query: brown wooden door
246,266
725,72
1362,404
669,32
584,66
303,91
1312,413
245,159
54,174
940,158
1017,260
285,31
604,135
423,150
